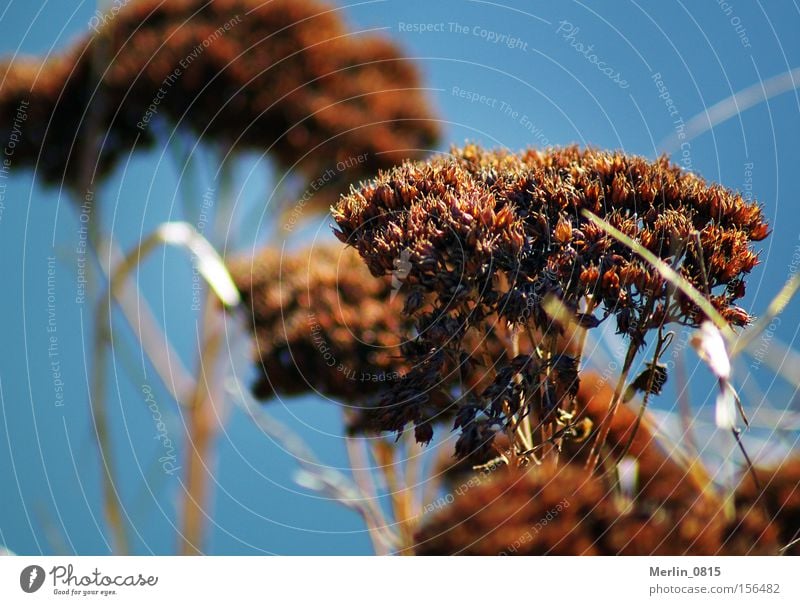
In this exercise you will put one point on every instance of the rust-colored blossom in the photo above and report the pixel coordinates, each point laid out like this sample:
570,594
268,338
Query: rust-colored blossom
490,236
320,323
567,511
285,77
778,497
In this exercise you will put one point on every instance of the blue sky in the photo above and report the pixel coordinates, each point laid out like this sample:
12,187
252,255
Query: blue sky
620,75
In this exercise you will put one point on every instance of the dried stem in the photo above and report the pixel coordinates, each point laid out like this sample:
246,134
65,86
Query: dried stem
201,429
591,305
411,479
684,405
359,466
112,505
776,307
155,344
384,455
750,469
605,424
661,344
211,267
314,475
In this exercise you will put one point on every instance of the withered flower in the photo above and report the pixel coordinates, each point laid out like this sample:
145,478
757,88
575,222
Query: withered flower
322,323
491,235
285,77
778,497
567,511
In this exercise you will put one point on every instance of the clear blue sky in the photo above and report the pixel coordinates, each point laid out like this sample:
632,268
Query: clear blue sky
502,73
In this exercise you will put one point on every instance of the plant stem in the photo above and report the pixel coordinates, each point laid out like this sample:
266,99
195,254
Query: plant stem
384,455
201,430
366,484
112,505
605,425
660,345
584,333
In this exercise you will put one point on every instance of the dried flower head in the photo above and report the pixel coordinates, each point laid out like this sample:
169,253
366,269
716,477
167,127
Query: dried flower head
284,76
778,498
491,235
322,323
567,511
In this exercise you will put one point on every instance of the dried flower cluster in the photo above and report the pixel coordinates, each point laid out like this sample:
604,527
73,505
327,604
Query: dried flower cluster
283,76
320,323
566,511
779,496
491,235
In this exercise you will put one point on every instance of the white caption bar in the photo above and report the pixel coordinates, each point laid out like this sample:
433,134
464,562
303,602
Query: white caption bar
379,581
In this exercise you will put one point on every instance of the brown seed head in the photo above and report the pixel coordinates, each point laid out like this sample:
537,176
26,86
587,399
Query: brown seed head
490,235
320,323
284,76
565,511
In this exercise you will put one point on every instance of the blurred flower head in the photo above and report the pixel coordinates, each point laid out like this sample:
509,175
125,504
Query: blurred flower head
567,511
320,323
284,77
779,499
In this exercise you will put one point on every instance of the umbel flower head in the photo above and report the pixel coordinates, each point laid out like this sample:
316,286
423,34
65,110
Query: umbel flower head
491,235
285,77
565,510
321,323
779,496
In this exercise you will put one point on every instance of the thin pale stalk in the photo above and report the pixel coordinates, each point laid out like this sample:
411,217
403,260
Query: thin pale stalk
314,475
732,106
87,163
684,406
213,270
112,505
776,307
384,455
364,481
590,307
154,342
411,479
795,540
442,463
202,422
201,430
